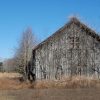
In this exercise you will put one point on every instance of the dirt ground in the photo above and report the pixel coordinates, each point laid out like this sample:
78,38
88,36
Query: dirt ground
50,94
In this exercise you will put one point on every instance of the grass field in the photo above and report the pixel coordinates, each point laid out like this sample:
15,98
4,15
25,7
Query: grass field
75,88
9,75
51,94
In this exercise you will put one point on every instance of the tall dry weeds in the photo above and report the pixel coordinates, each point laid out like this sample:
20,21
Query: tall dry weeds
69,82
65,82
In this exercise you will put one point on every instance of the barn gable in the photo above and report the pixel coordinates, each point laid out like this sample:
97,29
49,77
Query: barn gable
75,21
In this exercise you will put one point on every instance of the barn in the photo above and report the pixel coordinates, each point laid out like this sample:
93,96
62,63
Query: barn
72,50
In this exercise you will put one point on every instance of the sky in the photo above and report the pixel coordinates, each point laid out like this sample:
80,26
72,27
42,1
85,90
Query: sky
44,17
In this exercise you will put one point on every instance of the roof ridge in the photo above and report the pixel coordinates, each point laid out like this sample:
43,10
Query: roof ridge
84,26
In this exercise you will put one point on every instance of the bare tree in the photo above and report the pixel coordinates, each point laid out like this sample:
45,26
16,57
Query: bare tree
24,51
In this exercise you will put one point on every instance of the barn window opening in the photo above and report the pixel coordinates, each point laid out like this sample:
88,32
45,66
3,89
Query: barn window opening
74,42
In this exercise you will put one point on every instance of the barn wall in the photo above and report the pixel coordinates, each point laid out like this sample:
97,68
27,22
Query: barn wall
71,52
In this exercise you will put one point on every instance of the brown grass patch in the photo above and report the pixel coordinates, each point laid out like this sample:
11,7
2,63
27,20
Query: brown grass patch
69,82
9,75
11,81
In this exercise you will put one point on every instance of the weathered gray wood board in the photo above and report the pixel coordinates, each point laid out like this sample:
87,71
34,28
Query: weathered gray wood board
72,50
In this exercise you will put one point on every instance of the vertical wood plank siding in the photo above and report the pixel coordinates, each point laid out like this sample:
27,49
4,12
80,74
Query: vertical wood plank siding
71,52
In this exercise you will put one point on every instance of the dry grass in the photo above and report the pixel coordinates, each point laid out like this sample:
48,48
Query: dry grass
71,88
9,75
11,81
12,84
51,94
69,82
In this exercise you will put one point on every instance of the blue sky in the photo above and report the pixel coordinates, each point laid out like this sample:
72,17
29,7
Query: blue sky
43,16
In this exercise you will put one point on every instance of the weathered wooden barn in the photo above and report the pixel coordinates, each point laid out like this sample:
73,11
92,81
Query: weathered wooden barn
72,50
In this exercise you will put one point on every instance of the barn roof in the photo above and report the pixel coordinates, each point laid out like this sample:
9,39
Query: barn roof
77,22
